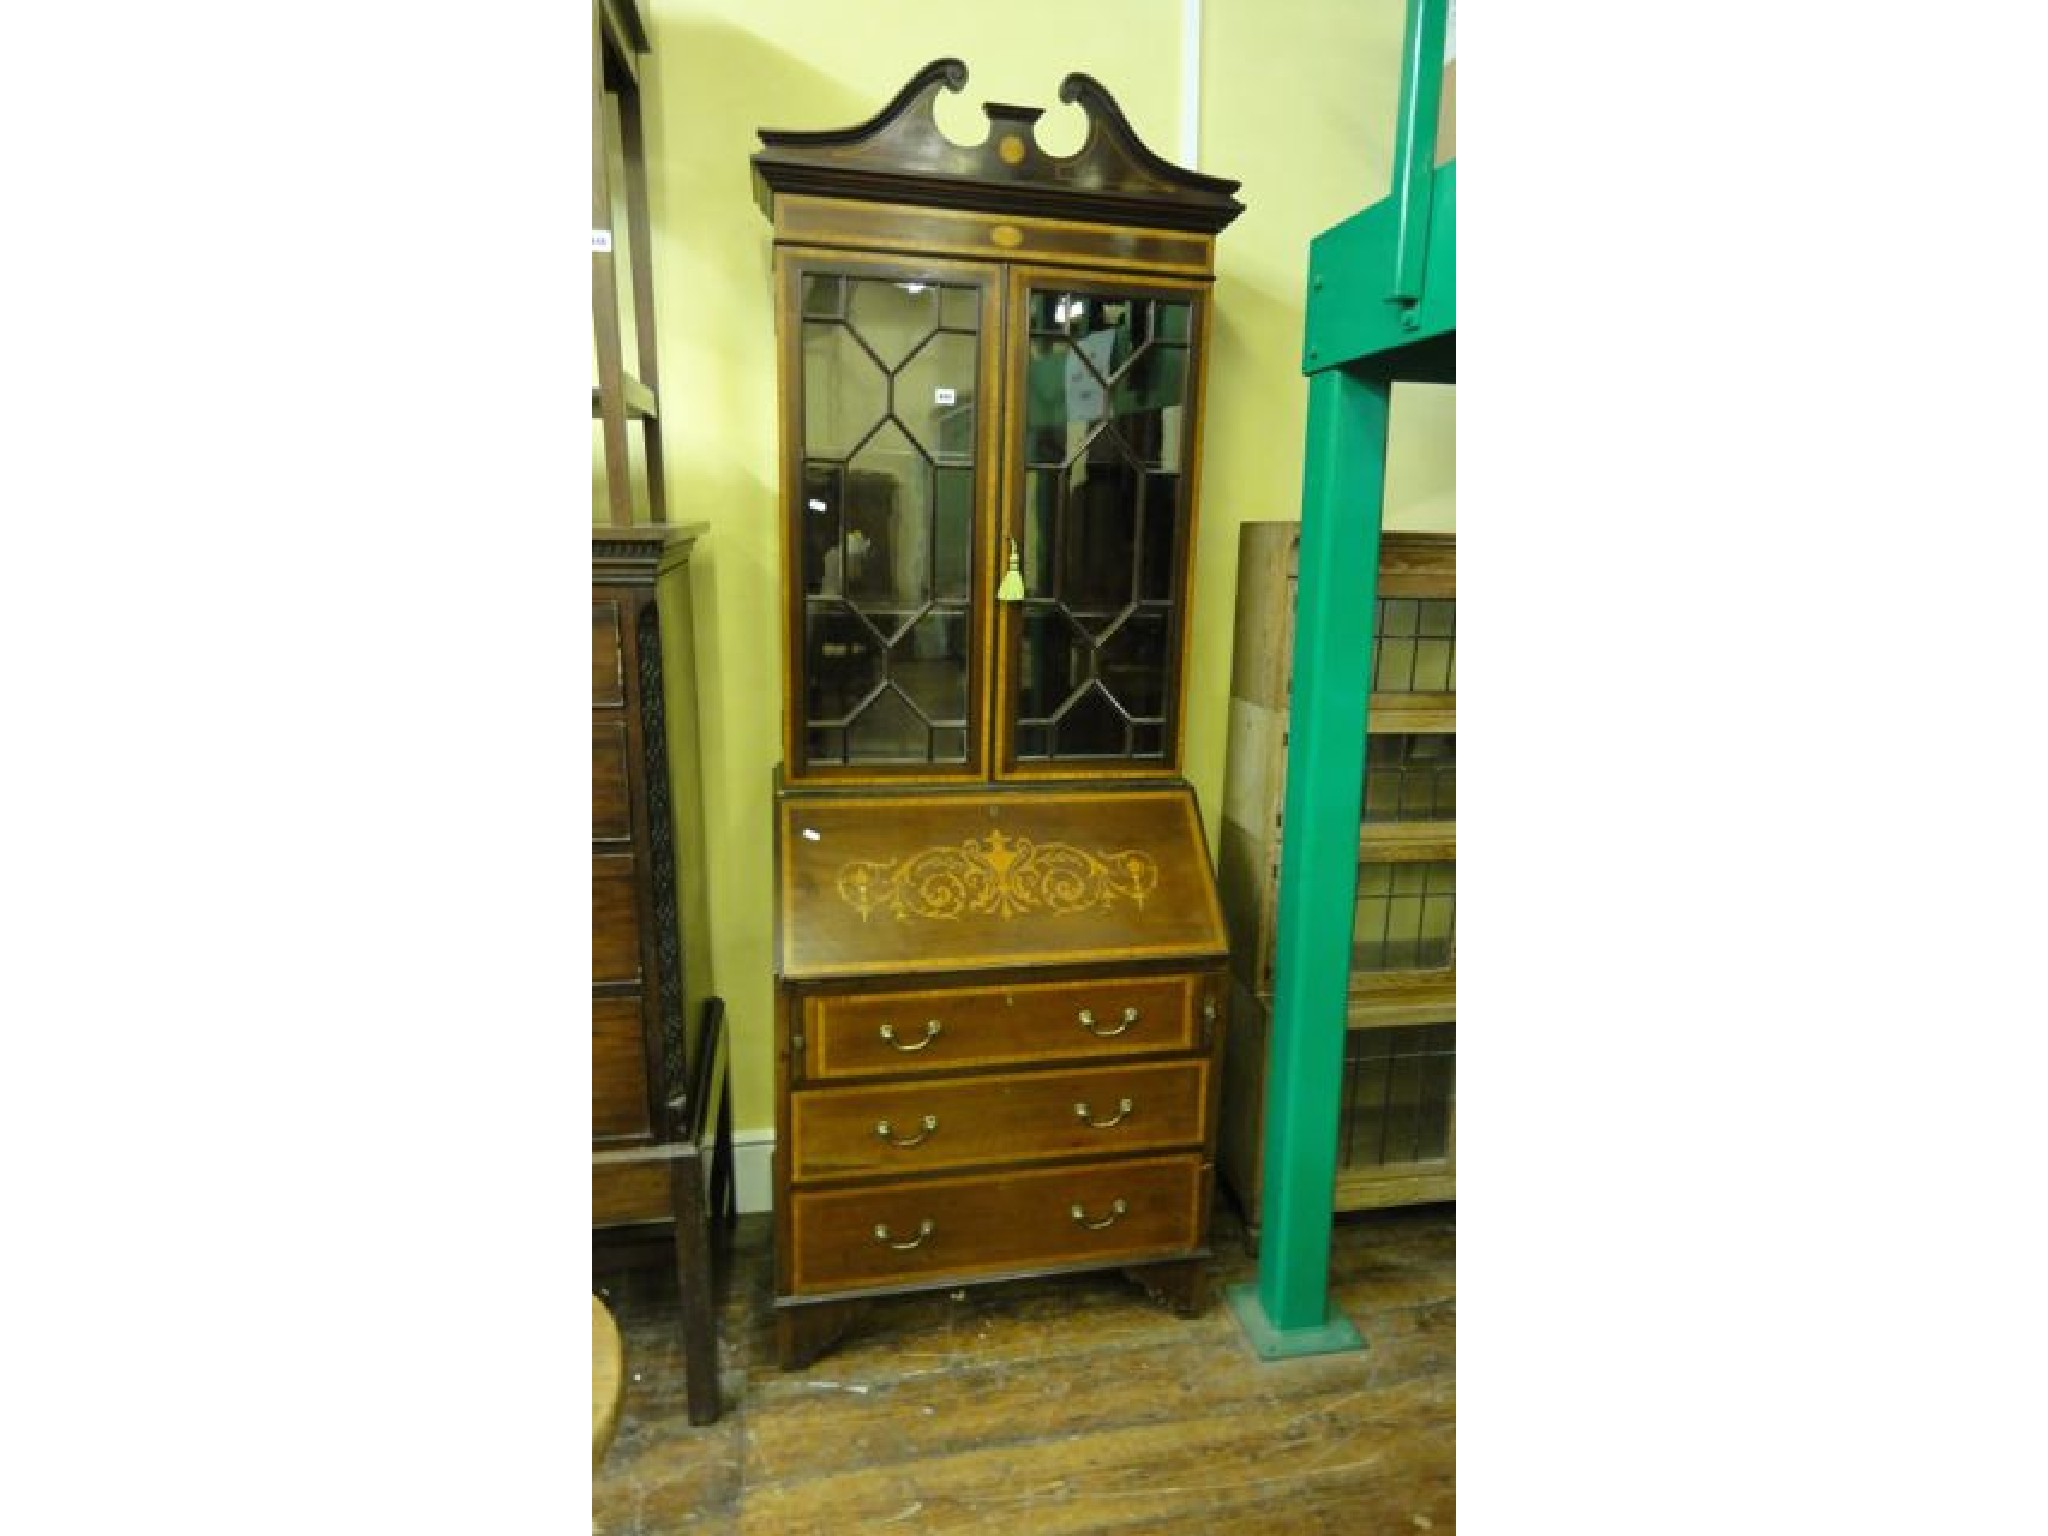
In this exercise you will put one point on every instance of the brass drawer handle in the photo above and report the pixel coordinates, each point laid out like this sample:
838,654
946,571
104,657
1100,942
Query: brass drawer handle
931,1033
1088,1023
1117,1207
888,1132
924,1230
1123,1111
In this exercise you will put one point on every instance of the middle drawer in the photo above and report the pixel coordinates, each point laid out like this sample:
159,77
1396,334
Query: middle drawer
929,1124
957,1028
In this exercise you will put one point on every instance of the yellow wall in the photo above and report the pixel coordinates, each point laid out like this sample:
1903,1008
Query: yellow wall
1298,100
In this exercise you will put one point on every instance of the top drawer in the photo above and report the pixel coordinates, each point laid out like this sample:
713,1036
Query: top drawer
960,1028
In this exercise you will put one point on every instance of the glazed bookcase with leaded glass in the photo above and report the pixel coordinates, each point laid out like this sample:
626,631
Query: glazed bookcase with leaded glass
1000,958
926,460
1397,1141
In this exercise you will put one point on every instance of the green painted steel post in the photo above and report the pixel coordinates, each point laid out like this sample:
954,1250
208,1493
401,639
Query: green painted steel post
1343,486
1422,88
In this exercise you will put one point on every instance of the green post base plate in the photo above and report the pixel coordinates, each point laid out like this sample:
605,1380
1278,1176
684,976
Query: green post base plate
1334,1335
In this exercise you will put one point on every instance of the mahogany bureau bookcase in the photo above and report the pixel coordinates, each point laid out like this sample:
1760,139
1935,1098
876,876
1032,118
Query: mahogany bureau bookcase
1000,956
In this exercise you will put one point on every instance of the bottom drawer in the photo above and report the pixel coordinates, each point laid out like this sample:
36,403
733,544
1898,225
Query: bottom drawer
629,1192
941,1229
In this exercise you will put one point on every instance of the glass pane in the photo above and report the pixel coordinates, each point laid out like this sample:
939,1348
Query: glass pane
1416,646
824,296
1096,573
935,397
888,530
1399,1091
1411,777
1147,405
892,317
1158,535
1393,666
1047,310
825,744
842,660
846,393
888,730
1106,383
1064,400
1433,1114
1435,654
1133,665
952,533
960,309
823,530
930,665
1433,667
1365,1095
1405,917
1043,492
1093,727
1053,663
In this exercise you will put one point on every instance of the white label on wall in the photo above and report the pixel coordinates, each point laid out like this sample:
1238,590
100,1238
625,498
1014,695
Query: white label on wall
944,396
601,242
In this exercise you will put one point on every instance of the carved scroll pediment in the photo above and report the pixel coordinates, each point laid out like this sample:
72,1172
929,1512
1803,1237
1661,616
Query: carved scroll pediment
900,155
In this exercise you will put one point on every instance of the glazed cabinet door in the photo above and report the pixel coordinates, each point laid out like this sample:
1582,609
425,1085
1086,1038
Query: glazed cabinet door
890,366
1099,508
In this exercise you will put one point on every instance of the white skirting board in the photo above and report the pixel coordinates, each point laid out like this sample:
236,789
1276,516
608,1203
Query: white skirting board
753,1170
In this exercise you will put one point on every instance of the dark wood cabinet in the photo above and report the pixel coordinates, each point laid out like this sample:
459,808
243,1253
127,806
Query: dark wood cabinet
999,948
642,994
661,1130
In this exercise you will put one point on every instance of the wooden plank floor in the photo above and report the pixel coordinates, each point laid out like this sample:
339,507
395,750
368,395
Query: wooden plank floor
1051,1408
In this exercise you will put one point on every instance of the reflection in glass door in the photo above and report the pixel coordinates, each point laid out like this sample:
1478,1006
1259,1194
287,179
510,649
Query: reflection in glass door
1103,516
885,519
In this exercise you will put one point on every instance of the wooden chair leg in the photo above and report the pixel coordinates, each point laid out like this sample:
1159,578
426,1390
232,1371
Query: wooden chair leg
725,1205
694,1279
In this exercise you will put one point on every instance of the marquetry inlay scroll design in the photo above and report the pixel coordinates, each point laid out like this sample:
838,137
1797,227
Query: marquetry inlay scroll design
900,155
998,876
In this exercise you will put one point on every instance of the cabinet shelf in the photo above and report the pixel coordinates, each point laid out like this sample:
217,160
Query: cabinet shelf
1406,714
1407,842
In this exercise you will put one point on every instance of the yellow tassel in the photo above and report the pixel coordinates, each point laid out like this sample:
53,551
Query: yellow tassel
1012,588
